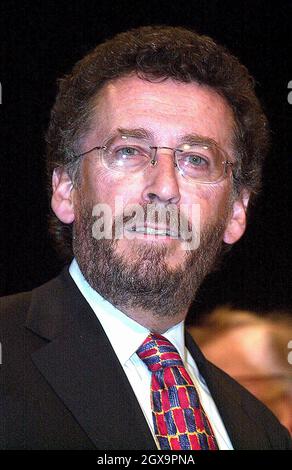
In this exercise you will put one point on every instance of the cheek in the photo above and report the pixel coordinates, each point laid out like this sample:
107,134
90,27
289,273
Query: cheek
101,186
214,202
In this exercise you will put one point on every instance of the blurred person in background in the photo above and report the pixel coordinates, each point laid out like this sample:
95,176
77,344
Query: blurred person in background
254,351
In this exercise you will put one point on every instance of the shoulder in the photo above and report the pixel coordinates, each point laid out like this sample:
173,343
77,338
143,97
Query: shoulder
14,308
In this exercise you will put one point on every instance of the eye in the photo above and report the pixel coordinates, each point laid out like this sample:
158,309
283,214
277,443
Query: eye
195,160
130,158
126,152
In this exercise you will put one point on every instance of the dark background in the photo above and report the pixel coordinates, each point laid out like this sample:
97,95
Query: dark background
41,40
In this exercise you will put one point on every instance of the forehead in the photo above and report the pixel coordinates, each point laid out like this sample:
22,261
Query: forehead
168,110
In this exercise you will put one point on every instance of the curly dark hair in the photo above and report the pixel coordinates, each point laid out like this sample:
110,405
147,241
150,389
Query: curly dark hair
156,53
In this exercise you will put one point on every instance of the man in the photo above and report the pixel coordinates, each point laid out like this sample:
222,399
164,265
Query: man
149,127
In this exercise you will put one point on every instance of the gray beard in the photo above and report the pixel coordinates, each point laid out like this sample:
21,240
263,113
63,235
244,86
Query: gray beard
144,282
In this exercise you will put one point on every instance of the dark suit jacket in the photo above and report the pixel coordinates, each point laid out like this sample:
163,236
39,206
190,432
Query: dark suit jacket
62,386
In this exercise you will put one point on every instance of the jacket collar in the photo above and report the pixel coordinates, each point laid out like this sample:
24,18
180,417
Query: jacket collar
82,368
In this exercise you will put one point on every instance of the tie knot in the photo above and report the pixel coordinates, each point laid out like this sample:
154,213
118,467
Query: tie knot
158,353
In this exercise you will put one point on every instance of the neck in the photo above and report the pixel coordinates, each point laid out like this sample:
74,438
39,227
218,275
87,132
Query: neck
154,323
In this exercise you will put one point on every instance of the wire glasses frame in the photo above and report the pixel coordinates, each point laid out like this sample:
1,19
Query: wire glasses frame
117,159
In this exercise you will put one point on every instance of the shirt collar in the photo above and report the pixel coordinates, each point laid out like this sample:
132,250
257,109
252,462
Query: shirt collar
124,334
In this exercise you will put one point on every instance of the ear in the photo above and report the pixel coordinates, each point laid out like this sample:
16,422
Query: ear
62,198
237,222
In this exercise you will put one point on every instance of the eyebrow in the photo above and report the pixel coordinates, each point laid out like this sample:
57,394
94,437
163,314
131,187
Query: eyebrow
144,134
192,139
136,133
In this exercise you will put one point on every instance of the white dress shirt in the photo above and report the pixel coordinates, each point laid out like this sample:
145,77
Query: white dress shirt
126,335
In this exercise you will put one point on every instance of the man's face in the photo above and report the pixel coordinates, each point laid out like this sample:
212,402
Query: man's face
166,112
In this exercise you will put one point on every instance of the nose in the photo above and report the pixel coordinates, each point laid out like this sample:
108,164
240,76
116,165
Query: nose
161,180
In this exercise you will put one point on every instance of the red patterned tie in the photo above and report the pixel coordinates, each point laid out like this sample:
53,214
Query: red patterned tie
179,419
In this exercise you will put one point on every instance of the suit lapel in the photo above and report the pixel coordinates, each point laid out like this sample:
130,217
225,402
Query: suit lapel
80,365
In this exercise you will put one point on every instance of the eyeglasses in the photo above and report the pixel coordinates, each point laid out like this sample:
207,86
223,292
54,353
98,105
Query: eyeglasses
199,162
